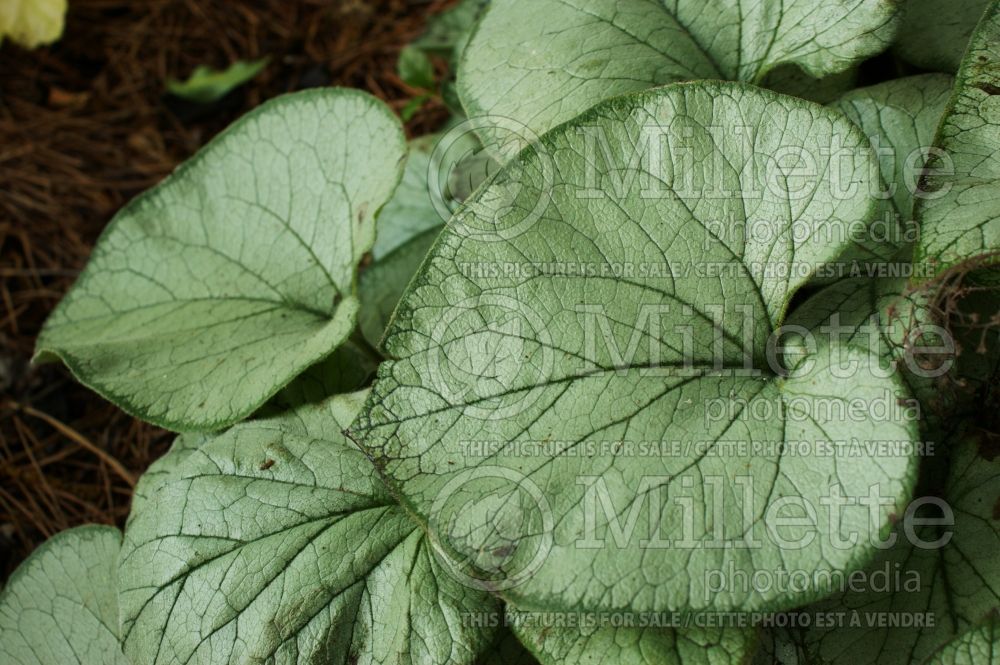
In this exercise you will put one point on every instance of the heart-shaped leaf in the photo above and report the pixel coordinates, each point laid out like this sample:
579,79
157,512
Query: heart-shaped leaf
60,607
541,62
616,312
900,118
213,290
960,221
277,542
947,574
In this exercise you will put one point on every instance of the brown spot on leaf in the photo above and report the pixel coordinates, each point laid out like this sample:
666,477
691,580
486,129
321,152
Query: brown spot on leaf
989,446
926,185
989,88
266,464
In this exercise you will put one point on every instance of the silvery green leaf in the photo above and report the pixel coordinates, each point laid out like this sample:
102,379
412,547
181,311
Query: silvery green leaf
213,290
887,318
541,62
934,36
162,469
605,645
954,586
411,210
497,350
59,607
275,542
900,118
959,216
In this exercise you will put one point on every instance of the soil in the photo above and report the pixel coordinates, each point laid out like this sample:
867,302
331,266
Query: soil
85,125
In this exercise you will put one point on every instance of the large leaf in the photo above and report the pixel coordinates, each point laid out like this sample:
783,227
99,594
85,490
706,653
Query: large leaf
60,607
979,646
276,542
500,349
541,62
649,645
210,292
961,222
900,118
163,469
442,170
934,35
896,323
957,584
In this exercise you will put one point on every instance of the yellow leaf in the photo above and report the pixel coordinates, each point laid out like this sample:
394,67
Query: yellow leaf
32,23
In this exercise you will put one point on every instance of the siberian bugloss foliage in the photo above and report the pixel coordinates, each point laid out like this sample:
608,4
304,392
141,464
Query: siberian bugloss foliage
677,345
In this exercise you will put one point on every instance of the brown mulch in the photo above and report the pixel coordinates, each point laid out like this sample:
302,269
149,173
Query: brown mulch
84,126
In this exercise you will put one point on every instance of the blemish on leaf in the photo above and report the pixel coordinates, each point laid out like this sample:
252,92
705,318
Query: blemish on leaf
989,88
926,185
266,464
989,447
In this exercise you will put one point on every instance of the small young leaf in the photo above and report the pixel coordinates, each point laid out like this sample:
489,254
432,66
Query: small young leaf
415,68
212,291
277,542
448,32
959,214
206,85
60,606
491,351
412,107
541,62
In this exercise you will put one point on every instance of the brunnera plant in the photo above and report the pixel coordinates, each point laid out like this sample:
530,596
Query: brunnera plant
648,362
